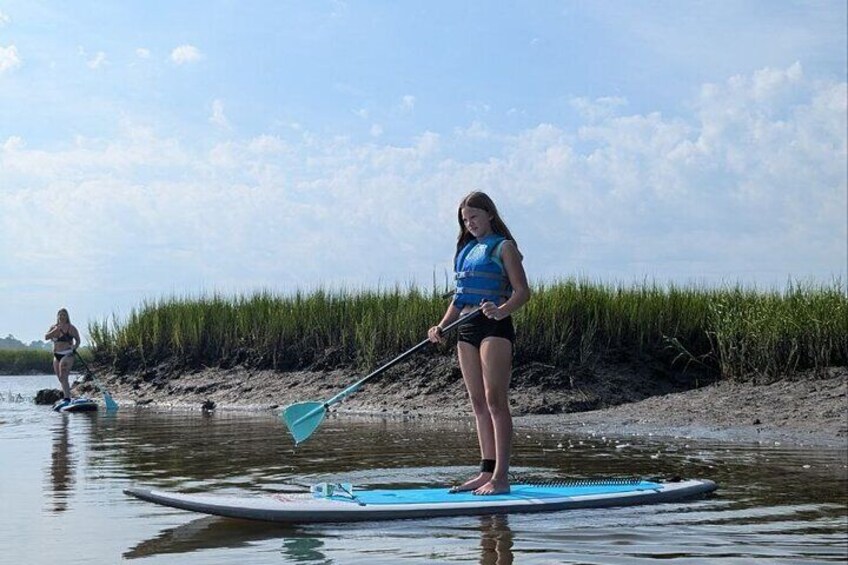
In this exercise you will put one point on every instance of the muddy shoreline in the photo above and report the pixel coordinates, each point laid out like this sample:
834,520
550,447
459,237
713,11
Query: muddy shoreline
628,399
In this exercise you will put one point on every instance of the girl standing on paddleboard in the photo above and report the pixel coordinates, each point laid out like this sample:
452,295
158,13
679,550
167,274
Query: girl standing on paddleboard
489,274
65,339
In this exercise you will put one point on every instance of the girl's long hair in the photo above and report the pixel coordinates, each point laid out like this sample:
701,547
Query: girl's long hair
65,312
481,200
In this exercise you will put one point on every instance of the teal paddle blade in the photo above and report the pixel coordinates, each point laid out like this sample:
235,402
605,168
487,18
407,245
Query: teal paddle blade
303,418
111,405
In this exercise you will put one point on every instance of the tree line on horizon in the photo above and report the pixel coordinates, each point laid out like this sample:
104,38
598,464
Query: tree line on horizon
11,342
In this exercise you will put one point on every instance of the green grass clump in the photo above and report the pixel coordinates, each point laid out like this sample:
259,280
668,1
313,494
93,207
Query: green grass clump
778,333
733,332
266,331
736,332
25,361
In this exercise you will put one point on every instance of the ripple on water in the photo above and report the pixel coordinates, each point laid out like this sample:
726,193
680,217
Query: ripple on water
775,504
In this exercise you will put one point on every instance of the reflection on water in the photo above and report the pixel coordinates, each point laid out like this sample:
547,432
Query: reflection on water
495,540
61,469
299,544
304,550
776,504
212,532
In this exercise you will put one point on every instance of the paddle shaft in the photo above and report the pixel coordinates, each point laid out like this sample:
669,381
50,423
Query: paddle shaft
355,386
106,395
87,369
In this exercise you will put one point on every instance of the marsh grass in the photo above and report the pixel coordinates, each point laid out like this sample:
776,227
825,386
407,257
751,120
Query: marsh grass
266,331
733,332
25,361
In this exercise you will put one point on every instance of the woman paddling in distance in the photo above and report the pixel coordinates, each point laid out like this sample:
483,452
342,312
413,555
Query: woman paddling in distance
488,273
66,339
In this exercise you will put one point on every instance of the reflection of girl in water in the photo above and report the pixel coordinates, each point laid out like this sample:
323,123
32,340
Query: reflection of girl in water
65,339
61,471
495,540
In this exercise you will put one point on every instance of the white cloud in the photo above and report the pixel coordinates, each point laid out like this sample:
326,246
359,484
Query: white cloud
98,61
751,185
407,103
478,107
600,108
376,130
12,143
218,117
186,54
4,19
475,130
267,144
769,82
9,59
142,53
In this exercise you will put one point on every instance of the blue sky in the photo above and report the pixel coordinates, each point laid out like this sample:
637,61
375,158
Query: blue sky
156,148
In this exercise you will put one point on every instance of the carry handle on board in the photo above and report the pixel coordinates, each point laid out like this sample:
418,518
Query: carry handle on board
303,418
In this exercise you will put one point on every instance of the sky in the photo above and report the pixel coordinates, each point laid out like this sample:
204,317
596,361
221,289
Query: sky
151,149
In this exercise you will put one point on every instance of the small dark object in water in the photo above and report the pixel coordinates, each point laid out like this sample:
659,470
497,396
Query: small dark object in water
757,422
208,406
48,396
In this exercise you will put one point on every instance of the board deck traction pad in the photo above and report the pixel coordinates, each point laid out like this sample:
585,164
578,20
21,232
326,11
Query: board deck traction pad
333,502
342,492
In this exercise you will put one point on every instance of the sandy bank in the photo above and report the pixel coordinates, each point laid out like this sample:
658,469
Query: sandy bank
618,400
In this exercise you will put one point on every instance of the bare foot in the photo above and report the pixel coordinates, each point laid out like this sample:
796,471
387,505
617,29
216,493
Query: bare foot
473,484
500,486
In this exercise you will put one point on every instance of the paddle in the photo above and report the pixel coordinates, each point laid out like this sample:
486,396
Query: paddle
107,398
303,418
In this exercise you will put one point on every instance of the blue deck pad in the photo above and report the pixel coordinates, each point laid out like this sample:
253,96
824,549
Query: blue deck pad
517,492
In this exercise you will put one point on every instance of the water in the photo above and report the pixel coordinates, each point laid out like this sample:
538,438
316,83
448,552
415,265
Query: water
62,476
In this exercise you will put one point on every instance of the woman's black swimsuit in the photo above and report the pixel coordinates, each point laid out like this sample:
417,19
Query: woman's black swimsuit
66,337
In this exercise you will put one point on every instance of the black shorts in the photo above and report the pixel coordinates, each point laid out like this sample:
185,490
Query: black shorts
480,327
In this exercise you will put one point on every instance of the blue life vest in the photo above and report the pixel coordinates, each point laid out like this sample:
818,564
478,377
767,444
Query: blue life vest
480,274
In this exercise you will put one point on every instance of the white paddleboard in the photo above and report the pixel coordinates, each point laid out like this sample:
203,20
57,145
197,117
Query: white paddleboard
338,505
76,405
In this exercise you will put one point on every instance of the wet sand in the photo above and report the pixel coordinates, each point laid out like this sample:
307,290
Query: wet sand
614,401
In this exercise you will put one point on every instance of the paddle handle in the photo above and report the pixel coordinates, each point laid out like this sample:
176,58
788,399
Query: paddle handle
388,365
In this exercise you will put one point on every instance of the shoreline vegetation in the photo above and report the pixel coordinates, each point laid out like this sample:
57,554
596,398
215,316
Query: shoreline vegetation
25,362
32,361
612,357
717,333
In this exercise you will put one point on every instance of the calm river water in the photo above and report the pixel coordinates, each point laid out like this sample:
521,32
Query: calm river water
62,475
